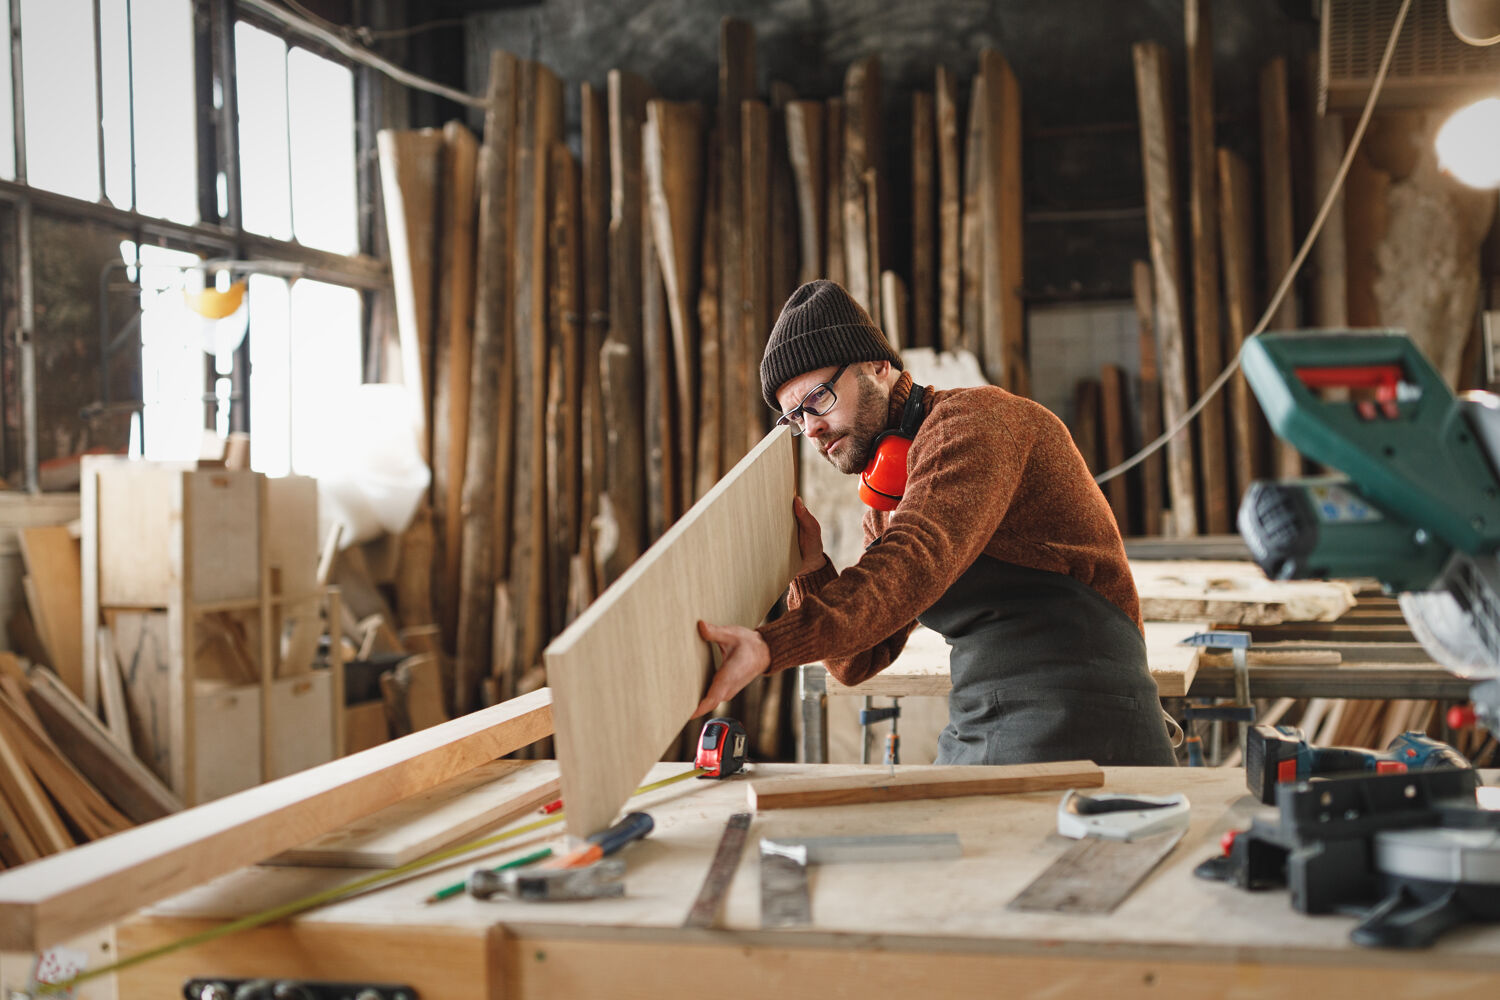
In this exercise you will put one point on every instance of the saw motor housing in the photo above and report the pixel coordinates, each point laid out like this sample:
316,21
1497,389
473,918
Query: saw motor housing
1420,507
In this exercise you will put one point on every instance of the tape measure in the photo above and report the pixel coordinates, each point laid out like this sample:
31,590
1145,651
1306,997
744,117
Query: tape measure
721,748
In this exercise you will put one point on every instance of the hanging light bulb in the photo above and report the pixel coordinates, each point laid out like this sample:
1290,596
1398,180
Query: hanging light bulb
221,316
1468,144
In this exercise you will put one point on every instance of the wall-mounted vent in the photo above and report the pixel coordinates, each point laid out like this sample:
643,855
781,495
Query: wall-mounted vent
1431,66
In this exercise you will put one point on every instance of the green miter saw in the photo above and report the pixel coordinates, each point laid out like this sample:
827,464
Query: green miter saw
1420,507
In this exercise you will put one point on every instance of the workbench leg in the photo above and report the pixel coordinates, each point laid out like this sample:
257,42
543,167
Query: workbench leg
812,701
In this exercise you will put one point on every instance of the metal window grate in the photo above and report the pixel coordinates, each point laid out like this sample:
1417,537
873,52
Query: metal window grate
1431,66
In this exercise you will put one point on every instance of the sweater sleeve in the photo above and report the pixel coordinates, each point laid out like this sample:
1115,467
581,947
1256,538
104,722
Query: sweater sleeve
963,470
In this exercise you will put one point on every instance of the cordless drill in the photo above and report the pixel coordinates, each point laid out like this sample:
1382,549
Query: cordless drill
1278,754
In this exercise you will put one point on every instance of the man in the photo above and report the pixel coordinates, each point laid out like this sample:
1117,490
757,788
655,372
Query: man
1001,541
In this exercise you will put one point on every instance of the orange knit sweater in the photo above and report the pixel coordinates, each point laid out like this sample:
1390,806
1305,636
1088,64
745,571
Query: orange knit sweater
989,473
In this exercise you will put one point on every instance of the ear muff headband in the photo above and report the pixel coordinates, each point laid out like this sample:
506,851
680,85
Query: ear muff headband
883,481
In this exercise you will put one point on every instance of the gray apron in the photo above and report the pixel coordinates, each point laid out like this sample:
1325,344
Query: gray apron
1044,668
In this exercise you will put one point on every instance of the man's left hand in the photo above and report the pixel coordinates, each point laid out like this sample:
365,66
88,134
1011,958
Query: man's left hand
745,657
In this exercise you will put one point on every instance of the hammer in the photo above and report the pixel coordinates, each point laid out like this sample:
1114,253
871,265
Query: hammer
587,873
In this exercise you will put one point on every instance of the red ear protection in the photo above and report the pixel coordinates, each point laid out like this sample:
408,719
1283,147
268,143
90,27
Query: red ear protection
883,481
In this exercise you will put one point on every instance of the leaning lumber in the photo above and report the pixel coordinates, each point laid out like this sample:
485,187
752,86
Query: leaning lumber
861,154
833,202
804,133
1003,340
736,85
565,380
1276,211
1150,398
923,221
950,196
1154,98
755,276
57,898
1203,213
932,782
1238,235
595,196
487,455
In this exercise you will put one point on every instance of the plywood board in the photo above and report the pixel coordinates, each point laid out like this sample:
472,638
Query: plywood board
221,543
51,555
927,782
292,524
628,673
301,713
51,900
488,796
133,558
1234,593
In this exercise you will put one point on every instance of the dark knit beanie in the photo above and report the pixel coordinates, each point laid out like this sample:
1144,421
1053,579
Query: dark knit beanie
820,326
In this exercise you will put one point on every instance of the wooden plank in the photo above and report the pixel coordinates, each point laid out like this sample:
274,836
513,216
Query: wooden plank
894,304
804,134
484,546
141,648
922,782
924,248
1085,425
487,797
453,364
971,229
1330,306
56,898
1150,399
538,126
19,786
630,670
1154,100
595,143
674,180
785,259
710,404
1277,204
124,780
622,371
564,387
833,200
861,154
413,694
1233,593
1236,230
112,691
755,279
949,198
88,809
1001,208
52,559
411,164
1113,415
1204,215
736,85
656,350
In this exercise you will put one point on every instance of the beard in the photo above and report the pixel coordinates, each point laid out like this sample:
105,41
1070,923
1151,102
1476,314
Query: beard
870,412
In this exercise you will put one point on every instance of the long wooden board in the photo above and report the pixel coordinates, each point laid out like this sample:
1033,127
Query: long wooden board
491,795
56,898
926,782
51,556
629,671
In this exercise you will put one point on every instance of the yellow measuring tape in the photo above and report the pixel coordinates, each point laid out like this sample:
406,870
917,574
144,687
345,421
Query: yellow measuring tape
329,895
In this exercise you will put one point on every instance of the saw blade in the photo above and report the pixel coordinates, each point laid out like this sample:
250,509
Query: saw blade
1095,876
705,910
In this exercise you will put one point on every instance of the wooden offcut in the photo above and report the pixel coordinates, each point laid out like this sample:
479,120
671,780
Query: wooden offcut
804,134
1154,99
631,669
922,782
54,899
50,554
1233,593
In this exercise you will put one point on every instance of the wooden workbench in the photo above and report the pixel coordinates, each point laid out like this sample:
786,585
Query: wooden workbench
916,929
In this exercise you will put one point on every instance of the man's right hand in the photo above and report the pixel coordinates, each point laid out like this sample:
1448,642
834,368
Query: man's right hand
809,537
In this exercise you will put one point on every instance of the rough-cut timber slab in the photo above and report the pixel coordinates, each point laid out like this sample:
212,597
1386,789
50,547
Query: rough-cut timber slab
631,669
1234,593
928,782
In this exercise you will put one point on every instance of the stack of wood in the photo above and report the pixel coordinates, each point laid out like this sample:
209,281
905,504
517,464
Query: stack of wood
1196,301
585,333
64,779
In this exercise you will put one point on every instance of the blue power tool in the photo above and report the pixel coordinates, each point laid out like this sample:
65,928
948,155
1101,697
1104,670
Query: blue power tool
1276,755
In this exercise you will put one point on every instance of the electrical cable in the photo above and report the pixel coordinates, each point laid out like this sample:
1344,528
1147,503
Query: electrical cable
1286,282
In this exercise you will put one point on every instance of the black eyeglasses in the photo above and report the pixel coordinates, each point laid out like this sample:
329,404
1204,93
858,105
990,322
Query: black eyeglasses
818,401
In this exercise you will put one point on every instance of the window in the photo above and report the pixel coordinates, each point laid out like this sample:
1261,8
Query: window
62,136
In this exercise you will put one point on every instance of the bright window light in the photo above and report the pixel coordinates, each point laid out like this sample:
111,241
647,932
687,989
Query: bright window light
325,360
320,102
114,60
57,62
166,129
1468,144
260,88
270,376
172,358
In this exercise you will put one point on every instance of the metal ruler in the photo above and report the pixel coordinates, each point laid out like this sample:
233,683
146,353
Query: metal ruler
705,910
783,887
1094,875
